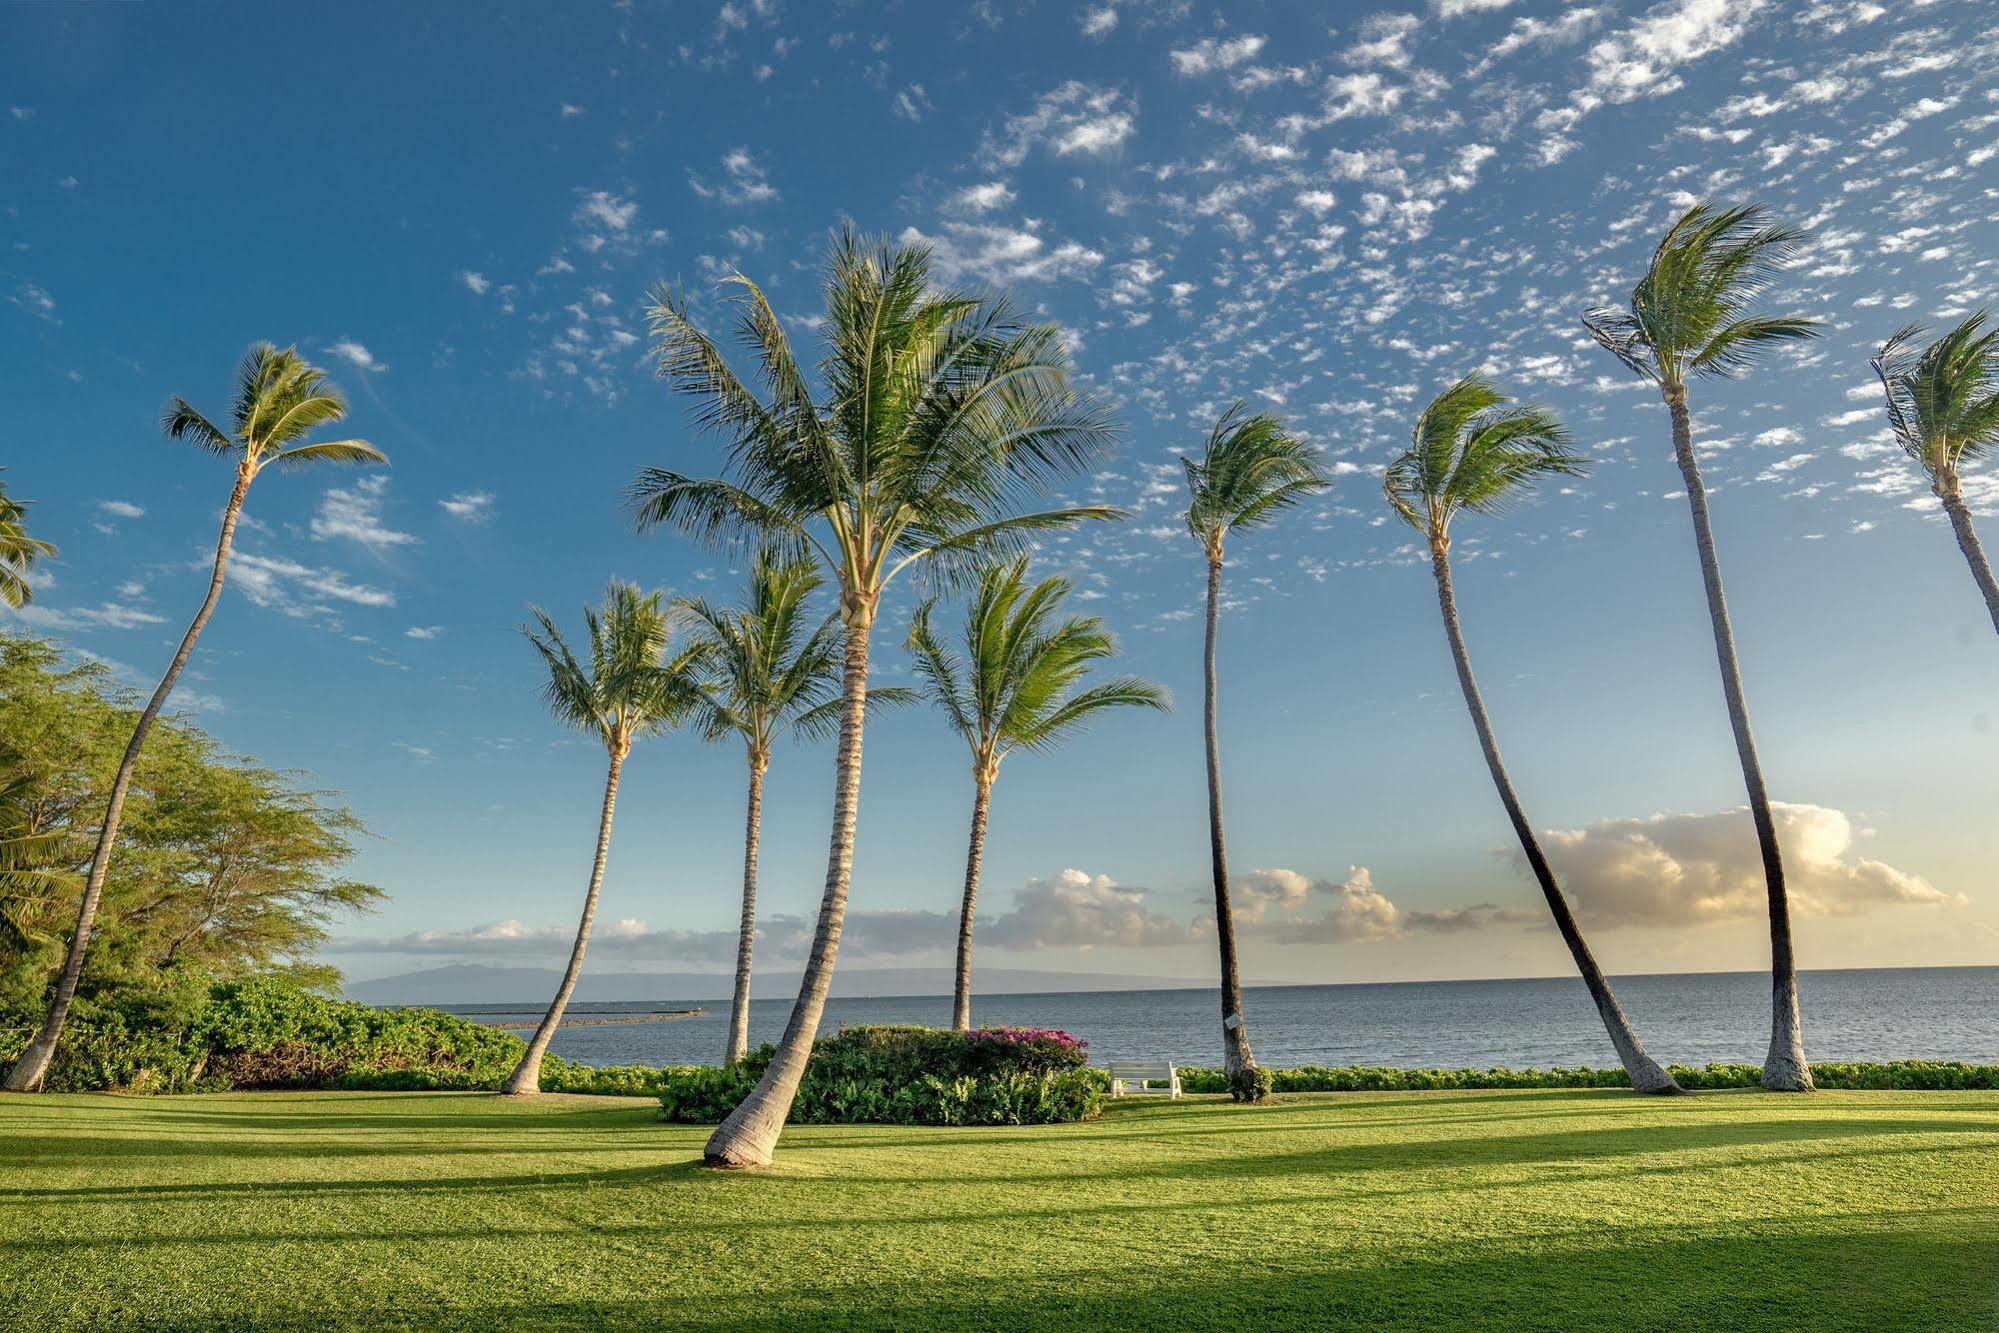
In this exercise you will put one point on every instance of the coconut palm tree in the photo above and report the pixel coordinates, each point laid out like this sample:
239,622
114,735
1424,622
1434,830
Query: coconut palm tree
32,878
280,399
1472,451
17,550
938,414
1252,471
772,672
1692,315
1943,402
1015,687
635,684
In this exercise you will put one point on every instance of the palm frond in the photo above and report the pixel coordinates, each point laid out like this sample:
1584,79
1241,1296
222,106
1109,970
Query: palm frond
333,451
1252,470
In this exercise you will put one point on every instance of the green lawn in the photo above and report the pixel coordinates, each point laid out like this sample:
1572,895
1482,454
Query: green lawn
1423,1210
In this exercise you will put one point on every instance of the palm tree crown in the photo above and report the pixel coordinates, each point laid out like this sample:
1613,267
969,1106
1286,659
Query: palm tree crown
631,686
1472,449
1015,685
1943,400
279,400
1253,470
1691,310
17,550
940,413
772,668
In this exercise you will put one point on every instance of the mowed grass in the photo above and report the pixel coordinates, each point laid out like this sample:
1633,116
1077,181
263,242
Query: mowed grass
1512,1210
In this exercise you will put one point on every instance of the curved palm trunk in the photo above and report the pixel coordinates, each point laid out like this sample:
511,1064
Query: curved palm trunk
739,1007
1646,1075
1235,1033
961,1005
1967,542
749,1135
1785,1068
33,1066
526,1078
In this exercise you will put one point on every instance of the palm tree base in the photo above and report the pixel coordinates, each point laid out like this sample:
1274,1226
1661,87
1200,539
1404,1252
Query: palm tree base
1787,1075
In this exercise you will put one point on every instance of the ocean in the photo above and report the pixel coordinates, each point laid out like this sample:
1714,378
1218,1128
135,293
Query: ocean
1874,1014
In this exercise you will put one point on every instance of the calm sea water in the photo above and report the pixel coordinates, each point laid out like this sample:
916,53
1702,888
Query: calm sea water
1884,1014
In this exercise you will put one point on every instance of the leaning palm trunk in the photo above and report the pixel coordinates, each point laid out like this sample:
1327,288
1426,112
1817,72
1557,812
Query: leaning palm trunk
961,1005
1785,1068
1967,541
526,1078
750,1133
739,1006
1235,1033
1646,1075
33,1066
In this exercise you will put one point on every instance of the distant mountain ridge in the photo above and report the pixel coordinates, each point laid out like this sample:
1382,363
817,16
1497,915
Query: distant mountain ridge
480,983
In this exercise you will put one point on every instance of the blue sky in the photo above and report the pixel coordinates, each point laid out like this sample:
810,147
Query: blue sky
1328,211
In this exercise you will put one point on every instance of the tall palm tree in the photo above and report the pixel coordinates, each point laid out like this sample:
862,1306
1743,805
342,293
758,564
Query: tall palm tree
772,671
1015,687
938,415
1473,452
1252,471
634,684
17,550
32,878
280,399
1691,315
1943,402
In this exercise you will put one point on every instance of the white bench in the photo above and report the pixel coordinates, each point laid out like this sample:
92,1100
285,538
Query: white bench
1138,1076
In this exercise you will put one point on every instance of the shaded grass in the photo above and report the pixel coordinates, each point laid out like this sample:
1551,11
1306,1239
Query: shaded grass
1412,1210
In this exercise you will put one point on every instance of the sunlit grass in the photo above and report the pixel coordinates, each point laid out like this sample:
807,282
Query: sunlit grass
1430,1210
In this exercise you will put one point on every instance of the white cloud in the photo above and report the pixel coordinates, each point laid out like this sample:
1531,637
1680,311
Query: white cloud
1450,9
1076,910
355,513
105,615
1287,906
470,506
1099,22
298,589
911,102
424,632
1000,254
607,211
745,181
1680,870
354,354
983,198
1640,60
478,282
1074,118
121,508
1208,55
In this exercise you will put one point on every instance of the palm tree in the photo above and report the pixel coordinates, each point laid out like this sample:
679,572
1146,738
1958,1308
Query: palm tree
17,550
1691,315
772,671
1943,402
32,879
632,686
1252,471
1473,452
280,399
1014,687
940,413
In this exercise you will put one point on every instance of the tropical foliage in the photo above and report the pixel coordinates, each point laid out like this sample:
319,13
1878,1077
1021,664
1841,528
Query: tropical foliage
1016,685
18,551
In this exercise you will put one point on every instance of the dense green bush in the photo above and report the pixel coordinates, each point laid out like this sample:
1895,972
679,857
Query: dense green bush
189,1035
911,1076
1251,1083
1904,1075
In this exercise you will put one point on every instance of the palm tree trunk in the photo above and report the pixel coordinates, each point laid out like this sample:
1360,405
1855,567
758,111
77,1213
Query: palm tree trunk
739,1007
1967,542
961,1005
1785,1068
525,1081
33,1066
1646,1075
1235,1033
748,1136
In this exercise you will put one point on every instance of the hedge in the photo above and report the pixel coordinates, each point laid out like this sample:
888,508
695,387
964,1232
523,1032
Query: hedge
1898,1075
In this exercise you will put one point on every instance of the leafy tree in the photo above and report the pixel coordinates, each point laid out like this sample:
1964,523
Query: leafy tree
1252,471
1943,402
1016,686
636,683
1474,452
937,414
279,401
1692,314
17,550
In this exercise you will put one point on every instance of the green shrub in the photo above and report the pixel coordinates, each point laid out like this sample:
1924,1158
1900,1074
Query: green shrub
1901,1075
910,1076
1251,1083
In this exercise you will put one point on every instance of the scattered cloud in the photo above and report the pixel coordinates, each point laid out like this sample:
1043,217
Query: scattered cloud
355,514
1076,910
469,506
355,355
1075,118
1208,56
478,283
122,508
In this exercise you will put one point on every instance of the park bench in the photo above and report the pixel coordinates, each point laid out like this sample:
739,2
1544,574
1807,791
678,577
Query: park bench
1138,1076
